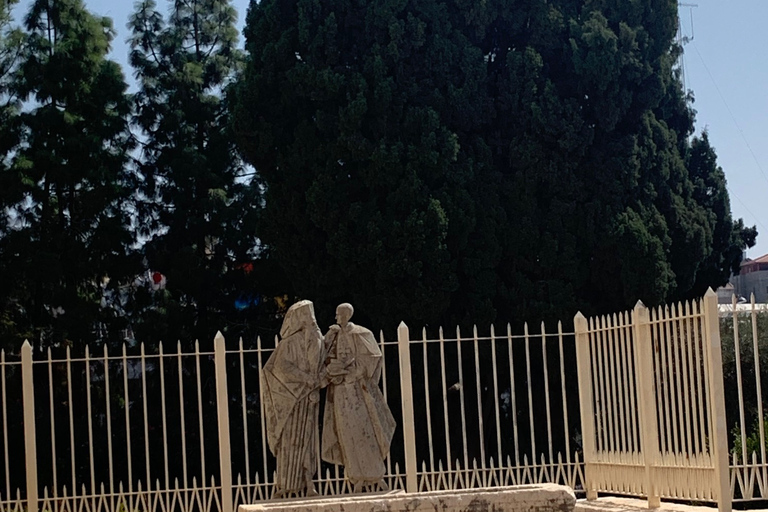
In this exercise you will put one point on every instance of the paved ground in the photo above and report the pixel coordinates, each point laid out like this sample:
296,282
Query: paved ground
616,504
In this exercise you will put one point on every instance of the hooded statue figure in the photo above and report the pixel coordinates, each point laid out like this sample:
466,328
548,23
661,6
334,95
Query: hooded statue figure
357,424
290,383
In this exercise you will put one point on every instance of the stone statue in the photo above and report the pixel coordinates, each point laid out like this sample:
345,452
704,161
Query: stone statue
357,424
291,381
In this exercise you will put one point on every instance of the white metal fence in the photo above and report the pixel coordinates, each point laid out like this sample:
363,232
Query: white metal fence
744,329
651,387
183,430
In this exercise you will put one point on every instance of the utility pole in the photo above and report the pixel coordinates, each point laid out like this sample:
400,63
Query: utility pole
683,39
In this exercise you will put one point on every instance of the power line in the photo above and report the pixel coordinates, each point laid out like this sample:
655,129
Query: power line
757,219
733,117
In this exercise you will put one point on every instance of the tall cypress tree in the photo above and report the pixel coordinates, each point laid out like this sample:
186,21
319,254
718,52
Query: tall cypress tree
67,241
190,171
451,160
363,120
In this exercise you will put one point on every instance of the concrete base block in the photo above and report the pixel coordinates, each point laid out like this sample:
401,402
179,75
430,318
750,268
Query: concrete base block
523,498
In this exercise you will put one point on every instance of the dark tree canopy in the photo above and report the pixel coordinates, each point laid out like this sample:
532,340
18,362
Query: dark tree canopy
66,242
452,161
198,210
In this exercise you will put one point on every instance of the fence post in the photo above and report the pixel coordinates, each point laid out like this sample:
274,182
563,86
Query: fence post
30,437
584,374
717,403
406,395
222,407
643,352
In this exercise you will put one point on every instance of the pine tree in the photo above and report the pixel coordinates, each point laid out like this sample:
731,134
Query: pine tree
193,211
10,49
67,243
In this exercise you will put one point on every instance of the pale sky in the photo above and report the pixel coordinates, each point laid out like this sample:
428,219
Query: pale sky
725,67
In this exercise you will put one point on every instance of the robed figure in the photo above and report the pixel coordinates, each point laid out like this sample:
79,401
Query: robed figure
290,392
357,424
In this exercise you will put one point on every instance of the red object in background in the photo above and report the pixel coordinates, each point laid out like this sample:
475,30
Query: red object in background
157,277
247,268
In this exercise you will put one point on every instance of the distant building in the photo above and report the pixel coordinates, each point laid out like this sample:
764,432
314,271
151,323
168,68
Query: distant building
725,294
753,278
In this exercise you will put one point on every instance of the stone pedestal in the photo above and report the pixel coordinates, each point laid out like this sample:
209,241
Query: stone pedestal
524,498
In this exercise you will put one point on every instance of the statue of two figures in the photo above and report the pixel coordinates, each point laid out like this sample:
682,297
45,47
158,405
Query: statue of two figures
357,424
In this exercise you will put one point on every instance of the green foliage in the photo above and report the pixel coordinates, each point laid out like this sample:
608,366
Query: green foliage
441,161
728,237
66,239
746,367
197,209
373,191
752,442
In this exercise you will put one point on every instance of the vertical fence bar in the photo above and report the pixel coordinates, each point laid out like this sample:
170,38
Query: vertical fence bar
449,460
30,437
613,389
699,354
759,390
71,422
109,423
90,421
717,404
565,399
148,474
661,378
383,347
513,394
669,373
129,452
591,354
245,416
632,379
530,392
692,344
182,417
460,361
222,409
406,393
53,429
496,397
584,366
646,399
680,417
164,415
685,357
626,409
739,385
427,402
481,428
5,425
604,432
262,415
546,392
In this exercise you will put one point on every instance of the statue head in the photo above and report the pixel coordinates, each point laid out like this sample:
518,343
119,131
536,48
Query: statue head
299,316
343,313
